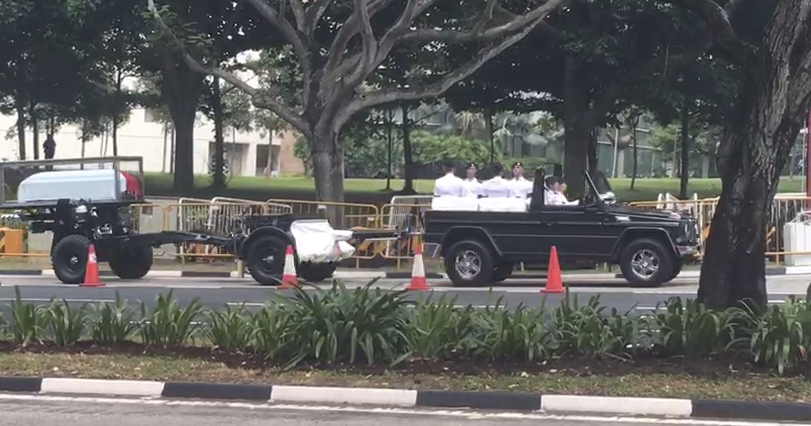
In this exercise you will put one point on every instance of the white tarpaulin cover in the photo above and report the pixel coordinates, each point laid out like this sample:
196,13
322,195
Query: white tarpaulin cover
96,185
317,242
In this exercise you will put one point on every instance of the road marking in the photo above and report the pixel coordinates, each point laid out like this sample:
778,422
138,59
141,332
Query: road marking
256,304
58,299
461,413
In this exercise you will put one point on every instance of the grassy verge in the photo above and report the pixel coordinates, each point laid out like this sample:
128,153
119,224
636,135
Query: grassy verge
374,190
714,382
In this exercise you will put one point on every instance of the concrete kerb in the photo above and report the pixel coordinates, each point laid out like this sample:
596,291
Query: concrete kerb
484,400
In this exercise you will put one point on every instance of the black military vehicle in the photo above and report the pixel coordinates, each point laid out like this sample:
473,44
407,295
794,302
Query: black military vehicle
482,247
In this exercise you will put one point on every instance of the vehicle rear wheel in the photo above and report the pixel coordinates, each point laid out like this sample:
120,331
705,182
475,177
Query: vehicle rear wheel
131,261
69,258
265,260
503,271
469,263
316,272
646,263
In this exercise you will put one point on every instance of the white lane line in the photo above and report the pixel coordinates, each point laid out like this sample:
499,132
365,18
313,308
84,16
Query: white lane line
25,299
257,304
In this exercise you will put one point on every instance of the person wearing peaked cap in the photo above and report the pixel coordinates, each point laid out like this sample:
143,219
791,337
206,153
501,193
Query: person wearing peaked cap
497,187
473,187
521,187
449,185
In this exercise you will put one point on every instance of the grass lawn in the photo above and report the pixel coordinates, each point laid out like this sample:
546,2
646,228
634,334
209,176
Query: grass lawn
742,386
373,190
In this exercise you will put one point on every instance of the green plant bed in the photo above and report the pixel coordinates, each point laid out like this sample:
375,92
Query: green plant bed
383,331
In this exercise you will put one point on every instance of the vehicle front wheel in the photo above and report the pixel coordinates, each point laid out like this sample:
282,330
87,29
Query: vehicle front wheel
131,261
265,260
69,259
646,263
469,263
316,272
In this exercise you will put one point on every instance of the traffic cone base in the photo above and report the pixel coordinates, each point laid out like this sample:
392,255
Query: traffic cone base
554,279
91,274
289,279
418,281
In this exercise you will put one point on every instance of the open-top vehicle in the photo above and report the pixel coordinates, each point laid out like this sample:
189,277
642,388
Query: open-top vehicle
482,245
92,205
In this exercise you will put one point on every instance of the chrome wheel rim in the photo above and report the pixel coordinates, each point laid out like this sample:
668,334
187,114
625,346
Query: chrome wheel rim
468,264
645,263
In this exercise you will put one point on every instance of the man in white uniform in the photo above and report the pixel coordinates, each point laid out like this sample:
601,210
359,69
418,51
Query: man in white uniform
521,186
449,185
473,188
497,187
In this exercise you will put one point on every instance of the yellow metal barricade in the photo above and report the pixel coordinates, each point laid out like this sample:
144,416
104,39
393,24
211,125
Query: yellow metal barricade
402,216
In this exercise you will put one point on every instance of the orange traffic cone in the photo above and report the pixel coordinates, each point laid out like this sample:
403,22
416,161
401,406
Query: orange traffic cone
418,282
91,275
289,279
554,279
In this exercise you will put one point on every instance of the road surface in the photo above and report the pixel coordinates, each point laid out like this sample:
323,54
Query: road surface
220,292
89,412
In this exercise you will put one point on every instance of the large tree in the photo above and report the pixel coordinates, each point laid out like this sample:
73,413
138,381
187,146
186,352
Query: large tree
771,41
583,65
340,43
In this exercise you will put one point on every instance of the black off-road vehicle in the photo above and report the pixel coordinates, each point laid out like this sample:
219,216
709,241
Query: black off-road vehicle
482,247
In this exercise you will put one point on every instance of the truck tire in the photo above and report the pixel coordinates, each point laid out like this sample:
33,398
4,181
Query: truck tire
646,263
469,263
316,272
131,261
265,260
69,259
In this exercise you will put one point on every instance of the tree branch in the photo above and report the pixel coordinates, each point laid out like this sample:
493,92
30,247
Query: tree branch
367,35
258,97
449,36
487,16
314,14
347,31
717,20
387,96
298,12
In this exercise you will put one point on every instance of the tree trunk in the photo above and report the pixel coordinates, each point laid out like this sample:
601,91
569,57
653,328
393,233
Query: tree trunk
328,171
754,149
269,166
488,117
634,123
181,87
21,125
408,154
577,128
685,151
591,155
34,130
118,82
183,178
219,140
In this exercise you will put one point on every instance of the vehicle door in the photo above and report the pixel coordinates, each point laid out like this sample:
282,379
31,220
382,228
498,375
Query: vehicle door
581,232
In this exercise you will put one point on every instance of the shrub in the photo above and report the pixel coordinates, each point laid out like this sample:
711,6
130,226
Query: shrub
114,324
689,328
67,325
229,330
169,324
438,330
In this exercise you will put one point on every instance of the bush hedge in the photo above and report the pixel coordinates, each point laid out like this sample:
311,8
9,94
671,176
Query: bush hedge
369,325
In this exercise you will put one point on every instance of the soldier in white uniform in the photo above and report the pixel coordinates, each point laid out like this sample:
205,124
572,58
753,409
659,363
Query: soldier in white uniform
473,187
521,186
449,185
497,187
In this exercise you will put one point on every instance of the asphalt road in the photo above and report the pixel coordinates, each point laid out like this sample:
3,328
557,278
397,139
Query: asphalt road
219,292
92,412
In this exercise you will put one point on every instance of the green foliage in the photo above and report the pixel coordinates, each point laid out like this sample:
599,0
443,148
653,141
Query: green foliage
115,323
336,324
689,328
67,325
229,330
168,324
368,325
28,321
